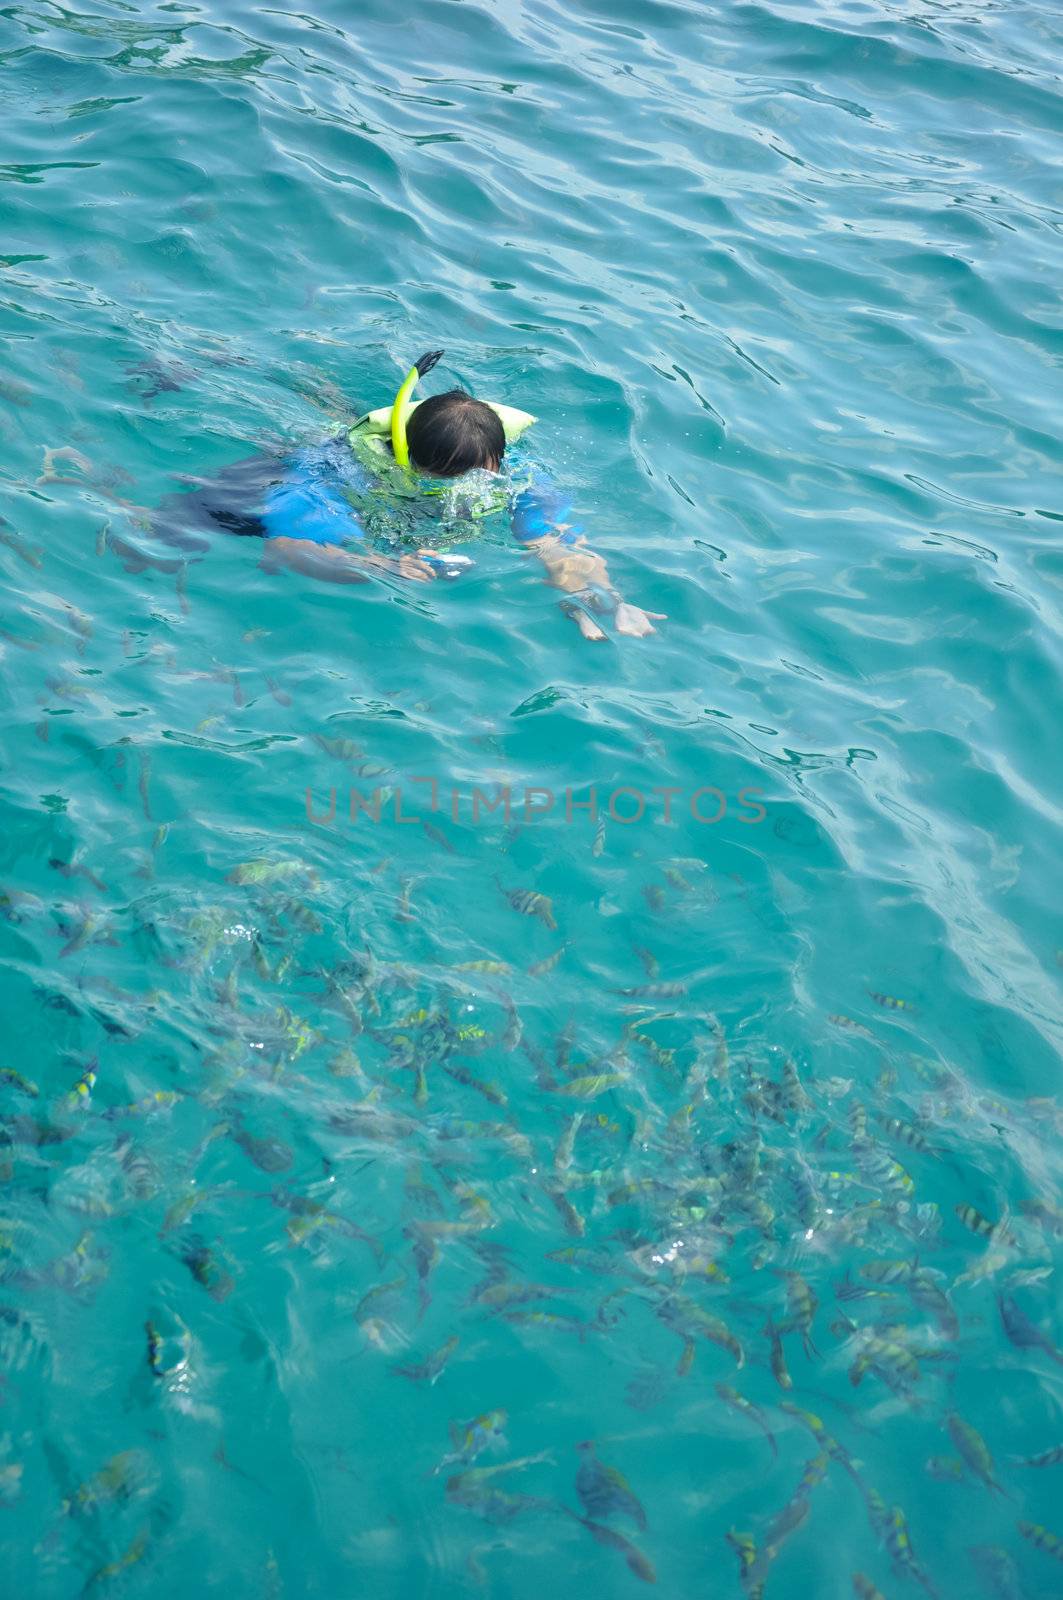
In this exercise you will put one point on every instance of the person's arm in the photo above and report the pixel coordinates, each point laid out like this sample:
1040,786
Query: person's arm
335,564
310,523
543,524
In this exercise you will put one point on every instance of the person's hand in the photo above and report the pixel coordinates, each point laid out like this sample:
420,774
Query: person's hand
633,622
404,566
416,567
586,625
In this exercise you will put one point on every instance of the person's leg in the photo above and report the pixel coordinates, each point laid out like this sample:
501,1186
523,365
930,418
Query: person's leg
229,501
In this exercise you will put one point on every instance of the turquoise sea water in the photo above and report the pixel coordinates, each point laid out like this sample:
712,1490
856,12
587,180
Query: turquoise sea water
781,283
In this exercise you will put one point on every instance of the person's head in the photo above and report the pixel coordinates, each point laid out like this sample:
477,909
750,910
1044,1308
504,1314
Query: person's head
452,433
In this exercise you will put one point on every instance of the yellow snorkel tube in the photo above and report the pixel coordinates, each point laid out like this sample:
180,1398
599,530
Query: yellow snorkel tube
401,408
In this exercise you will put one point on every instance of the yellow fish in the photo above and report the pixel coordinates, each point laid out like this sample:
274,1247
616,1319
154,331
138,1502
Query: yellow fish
590,1087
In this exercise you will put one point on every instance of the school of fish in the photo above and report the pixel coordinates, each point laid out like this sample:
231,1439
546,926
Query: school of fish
815,1256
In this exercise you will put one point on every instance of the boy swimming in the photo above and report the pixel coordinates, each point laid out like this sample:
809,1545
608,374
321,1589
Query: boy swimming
418,478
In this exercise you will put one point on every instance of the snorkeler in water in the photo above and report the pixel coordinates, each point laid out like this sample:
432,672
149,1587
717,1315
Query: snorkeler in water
408,483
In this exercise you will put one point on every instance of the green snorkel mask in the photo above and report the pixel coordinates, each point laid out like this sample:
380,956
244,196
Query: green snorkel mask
401,408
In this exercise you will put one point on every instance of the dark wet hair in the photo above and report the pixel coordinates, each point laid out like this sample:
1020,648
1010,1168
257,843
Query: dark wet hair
452,433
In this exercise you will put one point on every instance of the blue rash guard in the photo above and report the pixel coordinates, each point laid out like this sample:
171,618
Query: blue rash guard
310,501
